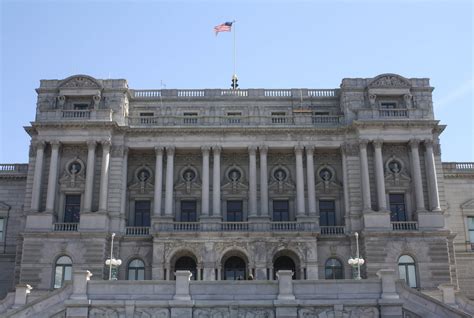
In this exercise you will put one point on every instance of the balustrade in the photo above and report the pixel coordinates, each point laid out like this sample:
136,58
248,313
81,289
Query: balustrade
8,168
137,230
400,113
76,114
332,230
405,226
65,227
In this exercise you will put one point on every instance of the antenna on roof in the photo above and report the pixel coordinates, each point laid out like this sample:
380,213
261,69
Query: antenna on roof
161,93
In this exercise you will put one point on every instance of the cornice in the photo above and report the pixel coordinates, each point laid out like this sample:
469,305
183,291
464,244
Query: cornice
434,124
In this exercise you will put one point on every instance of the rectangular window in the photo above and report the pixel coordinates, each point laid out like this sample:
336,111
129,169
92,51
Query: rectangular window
387,105
281,210
278,117
142,213
2,224
321,114
327,213
397,207
146,114
190,118
188,211
234,211
234,117
81,106
72,208
470,225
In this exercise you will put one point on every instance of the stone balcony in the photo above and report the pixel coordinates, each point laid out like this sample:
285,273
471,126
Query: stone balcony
103,115
13,170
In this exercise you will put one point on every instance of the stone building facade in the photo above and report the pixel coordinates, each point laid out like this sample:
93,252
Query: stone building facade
239,185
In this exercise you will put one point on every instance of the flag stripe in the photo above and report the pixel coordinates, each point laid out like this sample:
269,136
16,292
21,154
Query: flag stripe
224,27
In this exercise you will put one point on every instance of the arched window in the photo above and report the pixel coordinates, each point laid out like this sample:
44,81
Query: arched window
407,270
334,269
186,263
136,270
235,269
284,263
62,271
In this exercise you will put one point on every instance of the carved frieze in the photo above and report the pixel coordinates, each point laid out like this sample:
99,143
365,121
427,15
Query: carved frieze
389,81
151,313
396,172
211,312
80,82
280,180
73,176
142,181
235,181
330,312
107,312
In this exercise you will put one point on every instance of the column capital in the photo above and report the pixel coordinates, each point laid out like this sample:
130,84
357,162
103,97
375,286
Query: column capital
170,150
217,149
349,148
310,149
299,149
39,144
106,143
377,143
252,149
125,150
363,143
414,143
263,149
205,149
428,142
159,150
91,144
55,143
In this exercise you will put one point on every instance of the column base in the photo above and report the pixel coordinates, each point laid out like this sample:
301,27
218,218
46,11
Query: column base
377,220
430,220
162,223
39,222
94,222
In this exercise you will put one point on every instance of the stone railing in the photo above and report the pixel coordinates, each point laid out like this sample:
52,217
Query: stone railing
394,113
405,226
332,230
235,120
137,230
65,227
290,226
458,166
64,115
13,168
229,93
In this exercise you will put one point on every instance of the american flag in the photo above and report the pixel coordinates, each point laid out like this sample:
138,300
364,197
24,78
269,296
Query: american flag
224,27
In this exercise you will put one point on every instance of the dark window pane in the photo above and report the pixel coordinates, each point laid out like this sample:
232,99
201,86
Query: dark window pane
327,213
234,269
72,208
334,269
397,207
188,211
142,213
281,210
234,211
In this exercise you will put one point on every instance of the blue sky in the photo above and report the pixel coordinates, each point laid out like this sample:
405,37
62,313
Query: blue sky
280,44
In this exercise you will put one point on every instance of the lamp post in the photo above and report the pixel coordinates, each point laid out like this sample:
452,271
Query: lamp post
112,262
356,262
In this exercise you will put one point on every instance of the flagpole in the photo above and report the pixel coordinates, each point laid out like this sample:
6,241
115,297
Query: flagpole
234,48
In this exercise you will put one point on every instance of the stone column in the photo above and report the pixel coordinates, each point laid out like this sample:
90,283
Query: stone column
124,181
364,171
263,181
252,181
345,181
216,182
38,176
104,176
431,174
300,206
380,179
53,176
205,181
310,178
415,162
91,145
169,181
158,181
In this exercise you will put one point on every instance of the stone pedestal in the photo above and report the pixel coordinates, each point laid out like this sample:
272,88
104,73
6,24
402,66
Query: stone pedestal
430,220
77,308
39,222
285,285
94,222
21,294
286,308
377,221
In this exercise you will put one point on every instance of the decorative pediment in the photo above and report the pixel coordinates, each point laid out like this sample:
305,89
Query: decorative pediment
389,81
4,207
395,172
234,181
188,180
80,81
468,205
142,181
73,176
280,180
326,179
